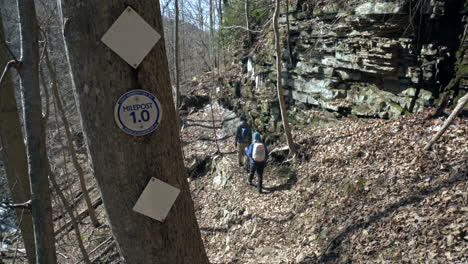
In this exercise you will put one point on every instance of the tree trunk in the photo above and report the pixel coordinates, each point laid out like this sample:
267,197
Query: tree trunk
69,137
247,23
35,135
184,42
14,155
461,104
176,56
215,136
446,94
284,112
220,39
212,57
201,20
124,164
288,37
70,213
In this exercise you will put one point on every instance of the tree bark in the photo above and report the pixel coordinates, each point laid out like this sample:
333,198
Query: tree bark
124,164
284,112
461,104
35,135
14,155
69,137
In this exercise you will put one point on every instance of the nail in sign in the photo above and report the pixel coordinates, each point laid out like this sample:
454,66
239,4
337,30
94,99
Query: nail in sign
138,112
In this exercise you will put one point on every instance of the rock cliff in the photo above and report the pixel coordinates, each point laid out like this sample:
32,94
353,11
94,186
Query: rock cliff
379,59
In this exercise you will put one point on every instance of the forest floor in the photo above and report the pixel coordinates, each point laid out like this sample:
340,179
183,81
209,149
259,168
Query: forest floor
361,191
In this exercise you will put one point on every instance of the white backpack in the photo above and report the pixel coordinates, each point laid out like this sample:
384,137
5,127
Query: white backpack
258,152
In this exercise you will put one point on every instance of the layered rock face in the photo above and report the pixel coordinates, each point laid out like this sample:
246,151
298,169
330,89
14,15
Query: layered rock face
377,59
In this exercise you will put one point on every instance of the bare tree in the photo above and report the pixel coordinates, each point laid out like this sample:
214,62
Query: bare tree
68,208
284,112
176,55
247,22
70,213
100,77
14,154
220,47
69,137
211,32
35,134
288,37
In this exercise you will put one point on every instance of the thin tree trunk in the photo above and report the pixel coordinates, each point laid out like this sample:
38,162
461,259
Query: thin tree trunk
284,112
124,164
288,37
35,135
58,191
220,38
176,56
14,155
200,16
53,180
70,213
70,145
445,97
247,22
213,122
184,45
212,57
461,104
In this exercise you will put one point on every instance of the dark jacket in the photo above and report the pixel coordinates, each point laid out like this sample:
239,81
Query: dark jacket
239,133
249,153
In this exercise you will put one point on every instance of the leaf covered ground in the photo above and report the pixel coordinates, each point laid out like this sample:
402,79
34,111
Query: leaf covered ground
361,191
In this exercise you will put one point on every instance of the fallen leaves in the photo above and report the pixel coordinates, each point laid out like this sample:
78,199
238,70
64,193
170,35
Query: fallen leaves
365,192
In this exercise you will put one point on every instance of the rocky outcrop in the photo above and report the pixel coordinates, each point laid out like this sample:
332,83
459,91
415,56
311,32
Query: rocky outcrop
377,59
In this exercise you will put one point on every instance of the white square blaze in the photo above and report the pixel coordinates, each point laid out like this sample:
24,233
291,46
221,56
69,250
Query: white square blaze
156,200
131,37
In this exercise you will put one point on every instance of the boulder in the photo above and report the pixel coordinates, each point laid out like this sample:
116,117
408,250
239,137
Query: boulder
223,171
379,8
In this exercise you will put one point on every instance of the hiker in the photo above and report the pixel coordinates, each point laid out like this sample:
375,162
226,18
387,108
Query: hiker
243,138
258,154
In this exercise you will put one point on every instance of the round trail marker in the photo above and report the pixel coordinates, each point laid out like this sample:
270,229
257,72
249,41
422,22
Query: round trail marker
137,112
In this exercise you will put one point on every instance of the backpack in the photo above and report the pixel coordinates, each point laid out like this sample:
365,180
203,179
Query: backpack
258,152
245,135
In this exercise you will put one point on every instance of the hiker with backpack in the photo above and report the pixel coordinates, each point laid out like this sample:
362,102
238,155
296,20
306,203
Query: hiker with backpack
258,154
242,141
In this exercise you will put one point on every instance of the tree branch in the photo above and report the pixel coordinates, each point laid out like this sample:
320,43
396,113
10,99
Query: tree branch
10,51
241,27
25,205
461,103
12,63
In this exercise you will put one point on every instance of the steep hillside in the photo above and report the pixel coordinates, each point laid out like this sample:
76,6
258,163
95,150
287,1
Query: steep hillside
362,191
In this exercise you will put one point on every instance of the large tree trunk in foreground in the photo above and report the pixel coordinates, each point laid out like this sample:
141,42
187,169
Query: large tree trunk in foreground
279,85
35,135
124,164
14,155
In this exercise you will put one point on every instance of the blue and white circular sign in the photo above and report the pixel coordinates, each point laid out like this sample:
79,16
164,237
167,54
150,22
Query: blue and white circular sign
138,112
